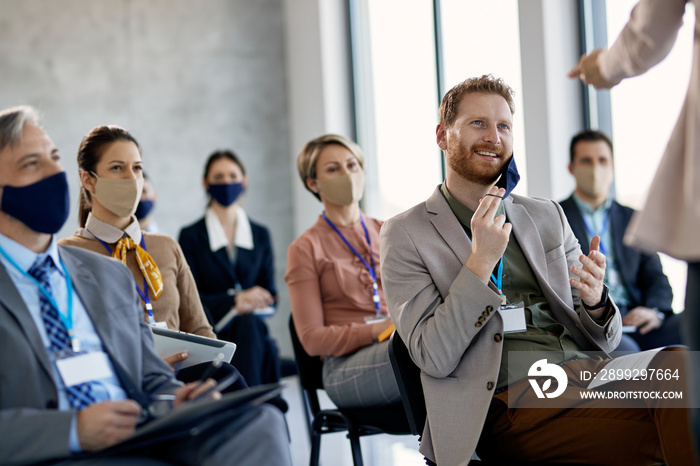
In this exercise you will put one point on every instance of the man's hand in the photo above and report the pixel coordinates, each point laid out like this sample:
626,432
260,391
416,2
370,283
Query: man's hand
194,390
643,318
253,298
588,70
103,424
590,282
490,234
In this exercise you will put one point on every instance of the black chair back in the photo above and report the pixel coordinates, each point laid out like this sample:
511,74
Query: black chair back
357,422
408,377
310,370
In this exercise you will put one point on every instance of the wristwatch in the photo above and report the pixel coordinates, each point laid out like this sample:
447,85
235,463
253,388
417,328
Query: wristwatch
602,303
661,315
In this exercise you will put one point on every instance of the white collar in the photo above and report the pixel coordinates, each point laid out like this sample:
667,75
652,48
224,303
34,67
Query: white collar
217,236
109,234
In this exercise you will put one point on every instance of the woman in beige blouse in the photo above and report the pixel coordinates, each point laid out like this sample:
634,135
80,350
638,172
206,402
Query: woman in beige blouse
334,279
111,174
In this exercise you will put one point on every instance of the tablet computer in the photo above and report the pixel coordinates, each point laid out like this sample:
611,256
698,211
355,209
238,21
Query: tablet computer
198,348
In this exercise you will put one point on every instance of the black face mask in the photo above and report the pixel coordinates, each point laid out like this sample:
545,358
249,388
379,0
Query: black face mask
42,206
509,177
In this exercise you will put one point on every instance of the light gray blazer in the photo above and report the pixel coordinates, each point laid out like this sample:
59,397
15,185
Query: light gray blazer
670,219
31,428
435,302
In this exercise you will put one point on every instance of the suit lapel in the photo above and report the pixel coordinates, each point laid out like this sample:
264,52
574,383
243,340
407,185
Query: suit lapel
573,215
447,226
527,234
90,293
15,306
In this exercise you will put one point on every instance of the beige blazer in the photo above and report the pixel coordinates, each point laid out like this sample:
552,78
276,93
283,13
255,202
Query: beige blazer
435,302
670,219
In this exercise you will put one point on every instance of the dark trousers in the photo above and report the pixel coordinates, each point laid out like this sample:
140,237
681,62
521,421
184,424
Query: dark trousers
256,357
590,431
692,339
669,333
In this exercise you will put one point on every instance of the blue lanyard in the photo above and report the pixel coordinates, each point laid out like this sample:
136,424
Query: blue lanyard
370,269
603,230
144,293
66,320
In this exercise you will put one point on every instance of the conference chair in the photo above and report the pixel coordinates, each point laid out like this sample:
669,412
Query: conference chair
357,422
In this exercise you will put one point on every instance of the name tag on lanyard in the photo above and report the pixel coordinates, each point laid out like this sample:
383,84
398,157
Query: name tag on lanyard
513,317
83,368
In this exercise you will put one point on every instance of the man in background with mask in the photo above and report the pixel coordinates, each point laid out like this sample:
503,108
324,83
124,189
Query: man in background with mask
82,362
477,280
636,281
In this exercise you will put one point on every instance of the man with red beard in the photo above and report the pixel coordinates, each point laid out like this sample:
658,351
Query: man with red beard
475,277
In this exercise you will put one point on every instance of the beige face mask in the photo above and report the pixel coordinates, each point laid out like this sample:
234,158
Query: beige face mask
593,181
343,189
119,196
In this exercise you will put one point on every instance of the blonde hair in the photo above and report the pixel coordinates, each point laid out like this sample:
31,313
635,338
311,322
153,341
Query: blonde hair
449,107
306,162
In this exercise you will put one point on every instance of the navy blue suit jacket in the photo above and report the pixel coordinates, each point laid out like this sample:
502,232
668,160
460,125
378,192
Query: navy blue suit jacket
215,274
641,274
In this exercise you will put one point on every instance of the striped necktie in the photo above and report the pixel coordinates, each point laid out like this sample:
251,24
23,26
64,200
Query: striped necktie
80,395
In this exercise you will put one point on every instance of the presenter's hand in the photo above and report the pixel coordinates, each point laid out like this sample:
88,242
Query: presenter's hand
591,274
104,424
194,390
643,318
174,359
490,234
253,298
588,71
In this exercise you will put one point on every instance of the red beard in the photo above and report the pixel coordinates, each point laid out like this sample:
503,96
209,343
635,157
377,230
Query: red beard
468,165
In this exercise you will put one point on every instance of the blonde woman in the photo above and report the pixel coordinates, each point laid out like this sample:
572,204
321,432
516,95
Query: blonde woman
334,280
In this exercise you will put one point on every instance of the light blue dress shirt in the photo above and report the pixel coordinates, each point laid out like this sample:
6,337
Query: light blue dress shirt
595,220
103,389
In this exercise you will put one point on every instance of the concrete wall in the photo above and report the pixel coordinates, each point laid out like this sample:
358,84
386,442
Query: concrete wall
184,77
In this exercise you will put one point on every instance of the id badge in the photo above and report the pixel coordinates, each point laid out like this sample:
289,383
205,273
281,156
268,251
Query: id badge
161,324
86,367
513,317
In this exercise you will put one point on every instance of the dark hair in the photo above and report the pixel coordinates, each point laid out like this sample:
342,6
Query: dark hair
89,154
588,135
222,154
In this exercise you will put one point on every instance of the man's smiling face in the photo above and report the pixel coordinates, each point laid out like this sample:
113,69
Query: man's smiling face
480,141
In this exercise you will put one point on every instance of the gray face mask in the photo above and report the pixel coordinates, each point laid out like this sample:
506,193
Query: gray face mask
119,196
343,189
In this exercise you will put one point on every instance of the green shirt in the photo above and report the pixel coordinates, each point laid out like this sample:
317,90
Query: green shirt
543,332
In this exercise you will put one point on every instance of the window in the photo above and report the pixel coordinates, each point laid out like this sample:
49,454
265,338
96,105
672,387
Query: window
472,47
403,86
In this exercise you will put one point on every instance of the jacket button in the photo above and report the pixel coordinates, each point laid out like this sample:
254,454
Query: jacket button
477,325
482,319
489,308
497,338
489,385
52,404
485,313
